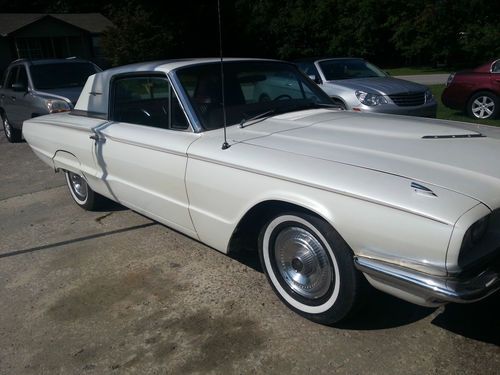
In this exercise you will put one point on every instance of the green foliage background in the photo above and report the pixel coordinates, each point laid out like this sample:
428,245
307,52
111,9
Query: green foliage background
455,33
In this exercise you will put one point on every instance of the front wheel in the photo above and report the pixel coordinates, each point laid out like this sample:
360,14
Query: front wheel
82,194
483,105
310,267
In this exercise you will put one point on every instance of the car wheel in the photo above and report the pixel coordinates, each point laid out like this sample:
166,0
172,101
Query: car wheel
310,267
483,105
82,194
12,134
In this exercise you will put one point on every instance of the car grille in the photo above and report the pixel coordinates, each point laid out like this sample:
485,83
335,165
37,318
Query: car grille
408,99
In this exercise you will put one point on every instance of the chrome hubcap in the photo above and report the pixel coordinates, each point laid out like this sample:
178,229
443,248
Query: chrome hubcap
78,185
303,262
6,126
483,107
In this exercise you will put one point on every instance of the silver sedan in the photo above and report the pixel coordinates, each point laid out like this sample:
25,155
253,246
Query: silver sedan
358,85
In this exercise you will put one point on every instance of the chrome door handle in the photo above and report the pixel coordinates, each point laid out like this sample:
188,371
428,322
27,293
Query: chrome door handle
96,137
13,97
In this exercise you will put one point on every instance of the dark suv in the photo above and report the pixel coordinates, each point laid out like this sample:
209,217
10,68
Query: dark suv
31,88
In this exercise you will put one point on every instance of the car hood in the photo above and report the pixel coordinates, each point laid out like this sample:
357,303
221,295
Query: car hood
424,150
379,85
70,93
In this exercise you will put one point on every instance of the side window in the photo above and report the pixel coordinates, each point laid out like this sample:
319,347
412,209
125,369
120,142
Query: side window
148,101
22,77
11,77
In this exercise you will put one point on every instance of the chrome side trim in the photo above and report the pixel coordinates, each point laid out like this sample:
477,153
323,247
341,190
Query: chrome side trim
144,145
81,128
434,289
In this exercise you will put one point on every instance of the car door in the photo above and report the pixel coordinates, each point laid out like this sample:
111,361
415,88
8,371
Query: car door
9,97
23,99
142,150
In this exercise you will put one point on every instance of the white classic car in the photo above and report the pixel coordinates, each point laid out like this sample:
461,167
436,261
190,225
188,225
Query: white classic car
332,200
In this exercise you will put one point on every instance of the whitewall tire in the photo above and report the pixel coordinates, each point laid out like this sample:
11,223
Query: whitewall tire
309,266
81,192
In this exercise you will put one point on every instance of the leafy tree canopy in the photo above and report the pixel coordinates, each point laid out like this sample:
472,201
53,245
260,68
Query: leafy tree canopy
389,32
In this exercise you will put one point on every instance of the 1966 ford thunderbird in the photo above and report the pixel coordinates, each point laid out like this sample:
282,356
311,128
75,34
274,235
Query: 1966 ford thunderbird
333,200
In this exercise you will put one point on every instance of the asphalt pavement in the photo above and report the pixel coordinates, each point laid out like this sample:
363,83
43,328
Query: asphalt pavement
113,292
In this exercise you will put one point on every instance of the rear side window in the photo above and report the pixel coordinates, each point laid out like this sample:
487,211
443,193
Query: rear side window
149,101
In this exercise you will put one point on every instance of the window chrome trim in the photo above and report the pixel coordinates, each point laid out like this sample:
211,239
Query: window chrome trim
185,103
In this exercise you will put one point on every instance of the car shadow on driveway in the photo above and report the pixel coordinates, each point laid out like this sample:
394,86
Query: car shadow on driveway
61,244
381,311
479,321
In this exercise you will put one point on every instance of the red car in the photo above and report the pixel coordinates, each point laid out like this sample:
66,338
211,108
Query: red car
476,91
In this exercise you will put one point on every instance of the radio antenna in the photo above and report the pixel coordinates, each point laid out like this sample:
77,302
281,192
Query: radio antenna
225,145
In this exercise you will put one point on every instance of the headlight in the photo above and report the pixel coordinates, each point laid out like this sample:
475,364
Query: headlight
450,79
478,229
475,234
370,99
428,96
57,105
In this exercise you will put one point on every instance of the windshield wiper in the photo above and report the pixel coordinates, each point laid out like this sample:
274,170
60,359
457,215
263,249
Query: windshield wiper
326,105
260,116
265,115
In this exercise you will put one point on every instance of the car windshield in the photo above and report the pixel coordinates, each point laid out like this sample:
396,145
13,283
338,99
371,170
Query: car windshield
61,75
251,88
349,69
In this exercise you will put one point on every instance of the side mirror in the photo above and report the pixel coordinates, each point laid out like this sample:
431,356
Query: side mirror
19,87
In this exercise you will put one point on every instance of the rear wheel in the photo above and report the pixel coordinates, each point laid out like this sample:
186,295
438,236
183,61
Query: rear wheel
82,194
483,105
12,134
310,267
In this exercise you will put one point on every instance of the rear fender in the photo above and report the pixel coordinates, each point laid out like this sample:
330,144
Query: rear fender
66,161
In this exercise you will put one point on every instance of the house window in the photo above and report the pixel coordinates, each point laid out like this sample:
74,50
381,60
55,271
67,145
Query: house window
48,48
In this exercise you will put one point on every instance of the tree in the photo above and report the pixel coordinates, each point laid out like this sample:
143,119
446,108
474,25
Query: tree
135,36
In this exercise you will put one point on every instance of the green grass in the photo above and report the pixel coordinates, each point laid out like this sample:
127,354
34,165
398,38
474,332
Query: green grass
413,70
452,114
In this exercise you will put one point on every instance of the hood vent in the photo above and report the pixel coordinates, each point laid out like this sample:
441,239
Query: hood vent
422,190
476,135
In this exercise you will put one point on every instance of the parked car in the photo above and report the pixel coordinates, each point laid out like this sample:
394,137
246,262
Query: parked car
475,91
331,199
358,85
31,88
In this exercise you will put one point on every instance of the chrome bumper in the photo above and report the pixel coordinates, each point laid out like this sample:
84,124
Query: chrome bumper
431,290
